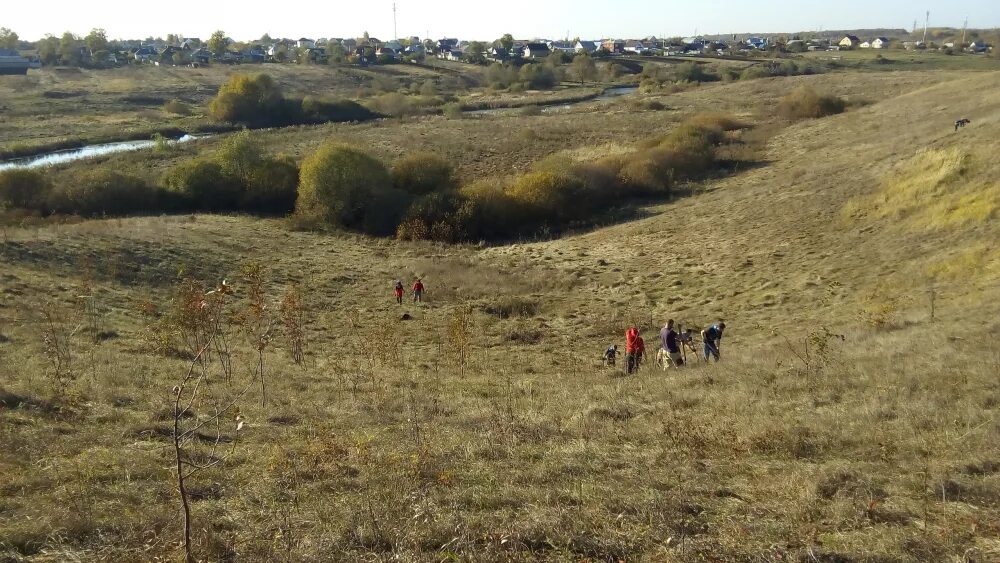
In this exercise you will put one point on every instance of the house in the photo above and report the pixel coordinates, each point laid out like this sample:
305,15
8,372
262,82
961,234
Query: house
349,44
880,43
144,54
614,46
304,43
561,46
446,45
498,54
201,57
11,62
759,43
254,54
866,45
536,51
190,43
978,47
637,47
698,46
386,52
585,47
394,45
850,42
454,55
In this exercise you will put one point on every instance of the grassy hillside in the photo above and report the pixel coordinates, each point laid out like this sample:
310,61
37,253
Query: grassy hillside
844,424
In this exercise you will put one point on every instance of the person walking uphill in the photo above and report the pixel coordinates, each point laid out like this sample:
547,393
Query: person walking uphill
671,347
712,337
418,291
398,289
632,349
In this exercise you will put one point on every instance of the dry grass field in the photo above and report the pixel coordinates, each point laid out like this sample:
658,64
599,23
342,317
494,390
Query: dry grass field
853,417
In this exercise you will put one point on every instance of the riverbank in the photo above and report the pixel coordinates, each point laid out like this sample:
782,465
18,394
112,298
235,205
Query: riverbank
17,153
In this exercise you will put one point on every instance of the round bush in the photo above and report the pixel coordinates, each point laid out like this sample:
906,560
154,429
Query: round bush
105,192
251,99
552,195
423,173
24,189
274,187
204,186
343,186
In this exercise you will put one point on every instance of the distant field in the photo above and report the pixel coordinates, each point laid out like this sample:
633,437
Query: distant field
55,105
896,59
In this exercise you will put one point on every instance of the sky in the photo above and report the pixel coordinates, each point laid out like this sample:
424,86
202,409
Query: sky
250,19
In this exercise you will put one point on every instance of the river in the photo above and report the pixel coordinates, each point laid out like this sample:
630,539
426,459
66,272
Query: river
89,151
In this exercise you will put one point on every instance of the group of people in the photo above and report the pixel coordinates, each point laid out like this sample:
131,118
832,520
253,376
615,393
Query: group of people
674,346
418,291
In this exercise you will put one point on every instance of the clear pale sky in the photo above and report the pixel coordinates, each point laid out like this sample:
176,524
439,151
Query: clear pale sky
249,19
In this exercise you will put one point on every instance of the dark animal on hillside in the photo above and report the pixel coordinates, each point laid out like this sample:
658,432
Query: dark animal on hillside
961,123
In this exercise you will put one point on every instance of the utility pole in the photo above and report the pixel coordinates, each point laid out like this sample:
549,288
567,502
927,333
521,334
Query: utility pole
395,31
927,23
965,26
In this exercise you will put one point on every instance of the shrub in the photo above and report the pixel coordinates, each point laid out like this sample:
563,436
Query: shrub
392,103
693,72
106,193
432,217
488,212
646,173
241,156
177,107
538,77
452,110
249,99
24,189
274,188
551,195
423,173
805,103
314,110
343,186
203,185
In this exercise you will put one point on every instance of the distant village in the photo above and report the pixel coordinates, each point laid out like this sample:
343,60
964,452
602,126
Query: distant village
366,50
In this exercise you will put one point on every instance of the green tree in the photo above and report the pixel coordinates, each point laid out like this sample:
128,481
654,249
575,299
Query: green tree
48,50
217,43
8,39
96,40
506,42
69,49
475,53
266,39
584,68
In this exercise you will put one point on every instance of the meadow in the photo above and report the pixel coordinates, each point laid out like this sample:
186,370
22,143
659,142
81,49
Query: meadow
853,417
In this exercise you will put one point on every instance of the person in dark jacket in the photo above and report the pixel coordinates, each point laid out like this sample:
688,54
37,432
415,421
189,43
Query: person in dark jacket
712,338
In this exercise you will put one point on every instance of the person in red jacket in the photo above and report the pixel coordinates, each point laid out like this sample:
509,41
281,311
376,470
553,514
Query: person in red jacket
640,352
398,290
632,340
418,291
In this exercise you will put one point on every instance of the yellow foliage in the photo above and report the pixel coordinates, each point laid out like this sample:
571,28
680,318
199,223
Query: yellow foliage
936,189
981,263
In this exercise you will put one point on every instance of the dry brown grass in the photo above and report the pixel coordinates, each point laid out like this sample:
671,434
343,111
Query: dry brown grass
387,443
